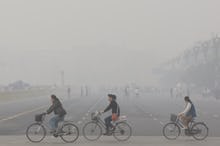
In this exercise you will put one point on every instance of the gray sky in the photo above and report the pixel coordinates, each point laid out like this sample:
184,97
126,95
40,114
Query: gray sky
98,41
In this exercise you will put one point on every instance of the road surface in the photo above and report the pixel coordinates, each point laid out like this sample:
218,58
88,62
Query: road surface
147,113
107,141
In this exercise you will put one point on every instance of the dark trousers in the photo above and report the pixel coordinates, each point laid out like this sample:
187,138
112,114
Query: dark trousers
108,121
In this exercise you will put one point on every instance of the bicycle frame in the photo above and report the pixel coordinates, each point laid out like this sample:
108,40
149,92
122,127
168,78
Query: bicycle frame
181,125
193,130
99,121
46,126
43,124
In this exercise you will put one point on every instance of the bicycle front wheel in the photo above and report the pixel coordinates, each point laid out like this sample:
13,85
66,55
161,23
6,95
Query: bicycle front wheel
199,131
70,133
122,131
36,132
171,131
92,131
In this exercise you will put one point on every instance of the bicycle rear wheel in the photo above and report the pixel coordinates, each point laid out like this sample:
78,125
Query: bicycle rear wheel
171,131
70,133
92,131
122,131
199,131
36,132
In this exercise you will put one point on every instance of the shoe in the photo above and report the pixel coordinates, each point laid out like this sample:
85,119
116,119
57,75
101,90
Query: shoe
55,135
107,134
188,132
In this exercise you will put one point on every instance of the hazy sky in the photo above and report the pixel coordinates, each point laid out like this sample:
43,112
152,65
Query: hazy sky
98,41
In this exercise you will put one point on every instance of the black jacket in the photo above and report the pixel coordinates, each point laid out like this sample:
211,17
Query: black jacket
57,108
114,107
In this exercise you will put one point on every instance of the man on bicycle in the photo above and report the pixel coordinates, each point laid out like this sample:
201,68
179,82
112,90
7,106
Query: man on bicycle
189,112
115,113
59,112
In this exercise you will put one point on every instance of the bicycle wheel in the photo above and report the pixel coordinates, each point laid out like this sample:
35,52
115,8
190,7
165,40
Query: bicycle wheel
199,131
171,131
36,132
122,131
70,133
92,131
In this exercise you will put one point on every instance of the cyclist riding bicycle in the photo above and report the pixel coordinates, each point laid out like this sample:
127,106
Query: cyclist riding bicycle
189,112
59,112
115,113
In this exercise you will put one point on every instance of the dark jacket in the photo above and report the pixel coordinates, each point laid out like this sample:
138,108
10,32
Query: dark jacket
114,107
57,108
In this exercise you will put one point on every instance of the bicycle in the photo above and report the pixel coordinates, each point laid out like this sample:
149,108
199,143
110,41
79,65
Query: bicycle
93,130
172,130
37,131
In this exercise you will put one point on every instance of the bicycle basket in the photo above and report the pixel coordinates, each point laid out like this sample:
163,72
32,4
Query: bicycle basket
39,118
93,116
173,118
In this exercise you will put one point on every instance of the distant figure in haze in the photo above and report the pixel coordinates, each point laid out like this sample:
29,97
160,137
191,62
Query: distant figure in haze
136,92
82,91
126,91
171,92
69,92
59,112
87,90
189,112
113,105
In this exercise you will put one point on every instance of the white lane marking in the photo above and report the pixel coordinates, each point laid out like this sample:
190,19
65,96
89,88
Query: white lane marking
151,115
22,113
90,109
95,104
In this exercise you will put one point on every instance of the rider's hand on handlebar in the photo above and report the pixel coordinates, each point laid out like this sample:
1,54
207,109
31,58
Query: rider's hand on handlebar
101,112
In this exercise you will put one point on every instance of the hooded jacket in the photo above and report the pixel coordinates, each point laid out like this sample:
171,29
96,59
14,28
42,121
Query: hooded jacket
114,107
57,108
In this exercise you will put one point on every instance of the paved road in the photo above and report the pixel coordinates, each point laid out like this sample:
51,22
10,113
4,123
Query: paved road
107,141
147,113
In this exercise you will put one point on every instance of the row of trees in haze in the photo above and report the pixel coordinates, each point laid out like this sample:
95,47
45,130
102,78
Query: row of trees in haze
197,67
